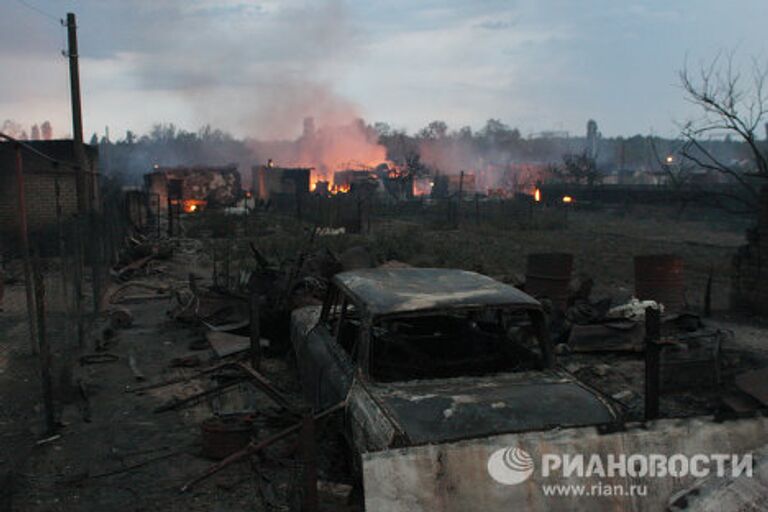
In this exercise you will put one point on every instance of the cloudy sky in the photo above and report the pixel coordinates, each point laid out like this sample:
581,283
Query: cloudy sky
258,67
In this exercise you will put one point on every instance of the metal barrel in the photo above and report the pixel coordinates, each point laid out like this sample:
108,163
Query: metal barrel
659,277
548,276
226,434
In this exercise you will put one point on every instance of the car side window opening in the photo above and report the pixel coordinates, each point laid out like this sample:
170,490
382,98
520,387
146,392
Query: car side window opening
453,344
342,320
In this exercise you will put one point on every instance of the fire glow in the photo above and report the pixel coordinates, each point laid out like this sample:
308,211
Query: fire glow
339,189
537,195
567,199
192,205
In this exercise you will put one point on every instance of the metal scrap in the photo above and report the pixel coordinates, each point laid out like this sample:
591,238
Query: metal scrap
255,447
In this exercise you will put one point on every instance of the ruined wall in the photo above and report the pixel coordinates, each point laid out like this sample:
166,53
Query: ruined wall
218,185
40,177
40,191
269,181
749,281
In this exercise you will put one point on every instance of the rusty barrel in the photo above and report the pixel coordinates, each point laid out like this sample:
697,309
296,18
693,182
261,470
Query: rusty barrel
659,277
226,434
548,275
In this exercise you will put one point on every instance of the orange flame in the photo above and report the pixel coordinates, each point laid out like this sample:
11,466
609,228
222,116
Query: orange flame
537,195
192,205
339,189
567,199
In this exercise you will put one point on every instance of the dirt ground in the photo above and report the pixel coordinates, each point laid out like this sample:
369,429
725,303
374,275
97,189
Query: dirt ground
115,453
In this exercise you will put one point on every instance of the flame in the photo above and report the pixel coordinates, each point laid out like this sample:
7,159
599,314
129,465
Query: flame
339,189
422,187
192,205
537,194
567,199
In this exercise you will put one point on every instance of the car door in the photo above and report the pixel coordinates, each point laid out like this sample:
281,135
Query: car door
329,368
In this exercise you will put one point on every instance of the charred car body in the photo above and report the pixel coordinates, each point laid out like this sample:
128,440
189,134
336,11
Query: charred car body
433,355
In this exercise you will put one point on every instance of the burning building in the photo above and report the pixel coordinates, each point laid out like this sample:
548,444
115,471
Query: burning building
270,181
448,185
195,188
354,179
47,185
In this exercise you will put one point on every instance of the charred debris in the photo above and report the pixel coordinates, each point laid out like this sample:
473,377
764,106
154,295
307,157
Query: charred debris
290,347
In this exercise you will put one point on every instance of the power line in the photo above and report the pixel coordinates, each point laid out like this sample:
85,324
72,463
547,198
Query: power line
26,4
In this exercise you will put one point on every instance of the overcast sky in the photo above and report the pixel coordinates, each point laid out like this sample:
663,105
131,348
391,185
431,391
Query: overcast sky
257,67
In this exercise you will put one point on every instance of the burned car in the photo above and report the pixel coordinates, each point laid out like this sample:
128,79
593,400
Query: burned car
433,355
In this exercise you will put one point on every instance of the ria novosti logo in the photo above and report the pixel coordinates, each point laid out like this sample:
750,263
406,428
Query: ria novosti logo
510,466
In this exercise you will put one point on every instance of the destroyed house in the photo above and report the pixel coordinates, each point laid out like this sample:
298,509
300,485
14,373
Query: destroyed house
274,183
194,188
353,179
42,178
448,185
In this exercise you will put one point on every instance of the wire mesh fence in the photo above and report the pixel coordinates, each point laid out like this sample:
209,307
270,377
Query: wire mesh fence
56,290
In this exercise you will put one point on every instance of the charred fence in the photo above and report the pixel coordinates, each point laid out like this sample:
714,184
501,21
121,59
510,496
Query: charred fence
356,213
54,275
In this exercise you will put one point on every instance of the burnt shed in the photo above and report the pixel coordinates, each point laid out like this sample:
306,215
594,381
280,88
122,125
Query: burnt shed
270,182
195,187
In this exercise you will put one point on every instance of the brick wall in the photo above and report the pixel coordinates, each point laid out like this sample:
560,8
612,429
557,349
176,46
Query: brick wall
40,191
40,177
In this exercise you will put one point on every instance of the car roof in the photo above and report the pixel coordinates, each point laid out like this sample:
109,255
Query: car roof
383,291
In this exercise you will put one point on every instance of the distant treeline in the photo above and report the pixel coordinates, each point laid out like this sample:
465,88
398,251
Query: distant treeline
434,148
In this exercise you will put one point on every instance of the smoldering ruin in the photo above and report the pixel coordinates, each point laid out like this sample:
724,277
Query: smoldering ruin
355,317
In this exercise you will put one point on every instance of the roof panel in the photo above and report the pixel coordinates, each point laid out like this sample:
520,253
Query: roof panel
401,290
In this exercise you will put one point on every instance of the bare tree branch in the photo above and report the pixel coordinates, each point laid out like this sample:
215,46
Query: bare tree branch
727,106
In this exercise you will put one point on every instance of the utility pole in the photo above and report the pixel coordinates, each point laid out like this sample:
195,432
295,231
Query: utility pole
77,114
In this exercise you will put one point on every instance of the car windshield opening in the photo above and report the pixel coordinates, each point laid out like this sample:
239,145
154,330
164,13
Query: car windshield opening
453,344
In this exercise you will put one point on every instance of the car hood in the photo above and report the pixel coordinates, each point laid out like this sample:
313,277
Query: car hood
431,411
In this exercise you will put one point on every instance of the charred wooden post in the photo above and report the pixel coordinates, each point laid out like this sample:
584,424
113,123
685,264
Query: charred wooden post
94,244
78,288
214,269
309,463
652,362
63,257
708,295
255,332
44,349
170,217
157,214
227,262
24,240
